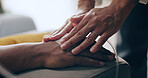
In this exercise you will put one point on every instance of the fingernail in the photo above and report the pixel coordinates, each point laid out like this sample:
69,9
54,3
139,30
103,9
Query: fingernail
74,24
74,52
102,63
93,50
110,57
49,36
45,40
63,46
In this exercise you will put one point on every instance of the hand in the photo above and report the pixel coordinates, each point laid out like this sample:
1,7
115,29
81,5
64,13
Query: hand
68,26
102,22
56,58
84,6
27,56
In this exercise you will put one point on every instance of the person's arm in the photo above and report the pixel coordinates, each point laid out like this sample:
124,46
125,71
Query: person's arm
21,57
102,22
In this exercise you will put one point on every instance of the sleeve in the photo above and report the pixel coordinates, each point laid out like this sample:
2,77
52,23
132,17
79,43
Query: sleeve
143,1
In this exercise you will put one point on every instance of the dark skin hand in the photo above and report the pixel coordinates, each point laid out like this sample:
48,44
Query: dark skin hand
103,22
21,57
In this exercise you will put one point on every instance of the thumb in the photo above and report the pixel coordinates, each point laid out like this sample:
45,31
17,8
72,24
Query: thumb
76,19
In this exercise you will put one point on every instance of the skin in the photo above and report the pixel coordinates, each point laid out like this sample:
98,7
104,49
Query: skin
103,21
27,56
84,6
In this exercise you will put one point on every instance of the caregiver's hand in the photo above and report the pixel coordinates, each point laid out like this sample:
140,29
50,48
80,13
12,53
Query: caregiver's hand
67,27
84,6
102,22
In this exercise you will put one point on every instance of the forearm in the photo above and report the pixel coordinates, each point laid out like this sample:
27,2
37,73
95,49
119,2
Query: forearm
85,5
21,57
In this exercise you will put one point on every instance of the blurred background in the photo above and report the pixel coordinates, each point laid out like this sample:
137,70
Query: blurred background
47,14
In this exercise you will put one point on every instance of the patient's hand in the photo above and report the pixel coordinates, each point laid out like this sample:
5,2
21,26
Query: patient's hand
56,58
21,57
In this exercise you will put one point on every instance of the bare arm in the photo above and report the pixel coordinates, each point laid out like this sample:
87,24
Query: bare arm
21,57
28,56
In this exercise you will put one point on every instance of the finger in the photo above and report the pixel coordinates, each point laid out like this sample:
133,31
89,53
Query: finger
101,50
86,43
98,56
77,28
65,30
57,31
52,32
91,38
48,37
77,18
78,37
74,24
105,51
85,61
45,38
100,42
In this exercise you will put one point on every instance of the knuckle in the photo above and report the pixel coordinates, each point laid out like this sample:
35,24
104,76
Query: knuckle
65,38
67,30
79,34
90,27
89,39
95,19
75,30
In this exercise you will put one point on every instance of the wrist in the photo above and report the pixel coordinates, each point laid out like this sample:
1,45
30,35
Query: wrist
39,55
124,3
45,51
122,7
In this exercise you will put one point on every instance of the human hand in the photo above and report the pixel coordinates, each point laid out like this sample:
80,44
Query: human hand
103,22
66,28
84,6
56,58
